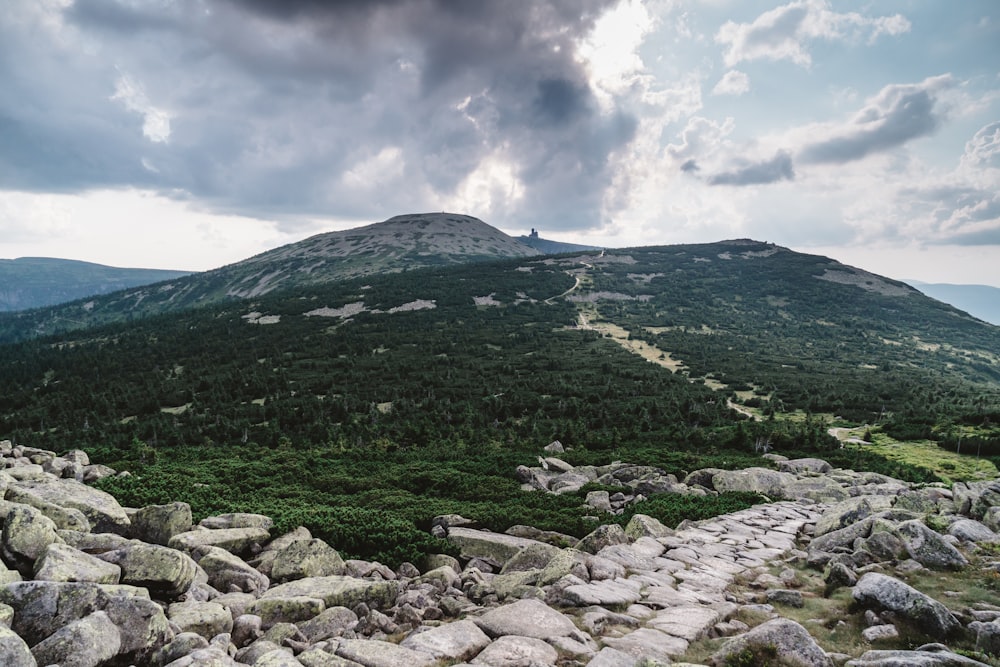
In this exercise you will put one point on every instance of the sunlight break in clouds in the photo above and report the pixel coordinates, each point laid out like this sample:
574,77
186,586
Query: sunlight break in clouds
783,33
155,122
610,50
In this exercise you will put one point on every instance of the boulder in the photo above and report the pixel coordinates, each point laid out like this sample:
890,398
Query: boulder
13,651
156,524
601,537
882,592
804,465
27,533
771,483
61,562
228,572
237,520
642,525
234,540
306,558
382,654
779,639
207,619
42,607
100,508
65,518
453,642
525,618
494,548
274,610
970,530
164,571
339,591
332,622
511,650
87,642
928,548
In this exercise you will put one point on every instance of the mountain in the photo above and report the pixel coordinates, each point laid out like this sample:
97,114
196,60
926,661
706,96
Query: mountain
547,247
34,282
399,244
364,407
980,301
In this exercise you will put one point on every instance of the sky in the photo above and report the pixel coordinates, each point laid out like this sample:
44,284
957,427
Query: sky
190,134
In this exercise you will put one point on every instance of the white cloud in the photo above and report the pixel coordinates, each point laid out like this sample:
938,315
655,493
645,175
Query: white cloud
734,82
783,33
610,50
156,122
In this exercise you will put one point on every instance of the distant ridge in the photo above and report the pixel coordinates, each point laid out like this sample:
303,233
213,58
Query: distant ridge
982,301
35,282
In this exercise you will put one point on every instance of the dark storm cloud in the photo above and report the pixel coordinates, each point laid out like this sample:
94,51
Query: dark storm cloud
271,104
778,168
898,114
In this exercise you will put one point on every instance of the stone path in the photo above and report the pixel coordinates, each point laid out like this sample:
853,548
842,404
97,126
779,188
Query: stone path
678,583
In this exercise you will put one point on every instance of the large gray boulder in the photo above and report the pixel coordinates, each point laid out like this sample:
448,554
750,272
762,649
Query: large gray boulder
511,650
87,642
207,619
156,524
339,591
804,465
164,571
454,642
494,548
781,639
928,548
13,651
27,533
234,540
771,483
306,558
228,572
382,654
525,618
65,518
881,592
61,562
42,607
100,508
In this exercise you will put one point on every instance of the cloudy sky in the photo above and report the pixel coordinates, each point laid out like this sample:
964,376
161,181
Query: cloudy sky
188,134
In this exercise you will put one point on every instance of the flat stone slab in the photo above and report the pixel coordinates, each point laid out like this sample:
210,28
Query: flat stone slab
604,593
512,650
649,643
382,654
688,622
525,618
456,641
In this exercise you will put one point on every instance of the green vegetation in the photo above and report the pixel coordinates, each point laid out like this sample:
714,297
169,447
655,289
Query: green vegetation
365,407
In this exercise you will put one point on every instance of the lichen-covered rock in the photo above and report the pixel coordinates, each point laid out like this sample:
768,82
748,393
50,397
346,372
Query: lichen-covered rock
13,651
780,639
87,642
207,619
643,525
234,540
771,483
928,548
930,655
804,465
306,558
525,618
27,533
339,591
454,642
274,610
65,518
601,537
156,524
494,548
382,654
879,591
100,508
164,571
61,562
228,572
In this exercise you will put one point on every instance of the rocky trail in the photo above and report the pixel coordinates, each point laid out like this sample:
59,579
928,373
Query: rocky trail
89,583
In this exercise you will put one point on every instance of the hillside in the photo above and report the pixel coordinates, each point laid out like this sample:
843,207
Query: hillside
392,399
399,244
36,282
982,301
547,247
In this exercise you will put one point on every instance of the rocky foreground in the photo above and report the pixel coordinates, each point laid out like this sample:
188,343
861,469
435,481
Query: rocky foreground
88,582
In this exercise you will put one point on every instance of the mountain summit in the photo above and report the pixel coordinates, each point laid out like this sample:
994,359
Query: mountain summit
399,243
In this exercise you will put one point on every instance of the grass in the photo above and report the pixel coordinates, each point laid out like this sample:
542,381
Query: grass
947,465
